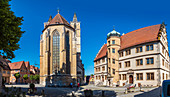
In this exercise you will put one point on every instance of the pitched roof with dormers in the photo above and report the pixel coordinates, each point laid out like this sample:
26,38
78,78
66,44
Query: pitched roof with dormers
16,65
102,52
139,36
58,19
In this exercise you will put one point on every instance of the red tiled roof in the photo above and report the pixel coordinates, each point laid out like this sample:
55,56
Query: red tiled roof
59,19
16,65
102,52
143,35
27,64
32,67
36,68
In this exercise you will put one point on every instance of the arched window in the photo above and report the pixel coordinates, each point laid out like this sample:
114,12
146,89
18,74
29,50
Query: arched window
56,52
67,53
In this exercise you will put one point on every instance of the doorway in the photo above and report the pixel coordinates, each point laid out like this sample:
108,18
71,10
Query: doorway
131,79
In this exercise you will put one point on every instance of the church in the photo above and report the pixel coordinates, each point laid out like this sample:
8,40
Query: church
60,52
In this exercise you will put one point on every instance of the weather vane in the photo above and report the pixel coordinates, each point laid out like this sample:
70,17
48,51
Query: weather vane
58,10
113,27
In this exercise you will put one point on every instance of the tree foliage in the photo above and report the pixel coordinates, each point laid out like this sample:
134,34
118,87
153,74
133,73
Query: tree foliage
31,77
36,77
10,30
25,77
17,76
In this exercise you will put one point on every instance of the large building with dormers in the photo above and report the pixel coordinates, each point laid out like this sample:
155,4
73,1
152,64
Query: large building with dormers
139,57
60,52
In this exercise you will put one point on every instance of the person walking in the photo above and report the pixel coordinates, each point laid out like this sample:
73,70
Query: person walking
71,85
78,85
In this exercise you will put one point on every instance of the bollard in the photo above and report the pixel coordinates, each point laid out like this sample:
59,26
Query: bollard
72,94
102,93
42,93
126,91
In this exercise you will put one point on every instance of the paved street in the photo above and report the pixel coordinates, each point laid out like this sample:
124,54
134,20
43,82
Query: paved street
97,91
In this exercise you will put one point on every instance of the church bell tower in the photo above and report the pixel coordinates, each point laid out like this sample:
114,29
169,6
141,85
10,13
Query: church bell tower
76,25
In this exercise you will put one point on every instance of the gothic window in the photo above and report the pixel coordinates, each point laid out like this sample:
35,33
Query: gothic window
56,51
67,53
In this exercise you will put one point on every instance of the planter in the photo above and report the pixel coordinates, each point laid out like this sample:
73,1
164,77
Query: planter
131,90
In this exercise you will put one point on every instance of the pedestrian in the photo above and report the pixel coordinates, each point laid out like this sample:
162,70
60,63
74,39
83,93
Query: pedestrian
71,85
78,85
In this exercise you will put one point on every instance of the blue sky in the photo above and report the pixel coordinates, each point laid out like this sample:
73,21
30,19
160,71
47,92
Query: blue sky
97,18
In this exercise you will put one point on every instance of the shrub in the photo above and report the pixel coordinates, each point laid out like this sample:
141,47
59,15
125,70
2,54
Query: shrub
32,86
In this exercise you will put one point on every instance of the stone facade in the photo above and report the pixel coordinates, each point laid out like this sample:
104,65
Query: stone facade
60,52
142,61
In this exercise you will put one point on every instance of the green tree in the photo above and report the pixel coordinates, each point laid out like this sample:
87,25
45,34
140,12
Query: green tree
91,74
25,77
17,76
31,78
36,77
10,30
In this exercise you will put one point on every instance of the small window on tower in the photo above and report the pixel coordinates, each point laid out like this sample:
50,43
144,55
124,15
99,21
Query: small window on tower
113,50
113,41
113,61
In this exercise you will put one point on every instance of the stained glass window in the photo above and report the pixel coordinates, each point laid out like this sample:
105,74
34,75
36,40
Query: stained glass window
56,52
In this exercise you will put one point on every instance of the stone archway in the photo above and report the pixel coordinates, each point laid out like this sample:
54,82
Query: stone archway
130,79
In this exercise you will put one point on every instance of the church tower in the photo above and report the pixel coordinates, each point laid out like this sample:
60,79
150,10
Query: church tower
76,25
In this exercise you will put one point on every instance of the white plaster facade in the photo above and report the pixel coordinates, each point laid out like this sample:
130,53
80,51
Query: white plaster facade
100,75
147,67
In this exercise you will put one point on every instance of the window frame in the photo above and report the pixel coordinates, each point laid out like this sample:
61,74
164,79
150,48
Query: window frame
113,61
150,76
139,61
150,62
128,52
138,75
149,47
113,50
113,42
127,64
139,50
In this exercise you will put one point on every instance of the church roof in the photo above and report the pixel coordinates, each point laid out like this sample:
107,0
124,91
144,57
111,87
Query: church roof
58,19
102,52
139,36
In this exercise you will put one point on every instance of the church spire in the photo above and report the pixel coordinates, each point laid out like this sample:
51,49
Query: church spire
49,20
58,10
74,18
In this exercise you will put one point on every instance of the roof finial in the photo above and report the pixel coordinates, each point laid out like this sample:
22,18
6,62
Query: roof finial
58,10
113,27
49,20
74,18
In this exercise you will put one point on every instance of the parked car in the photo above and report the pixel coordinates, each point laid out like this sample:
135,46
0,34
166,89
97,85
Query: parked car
166,88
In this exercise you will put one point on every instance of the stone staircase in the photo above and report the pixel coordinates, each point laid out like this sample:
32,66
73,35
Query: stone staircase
99,84
127,85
